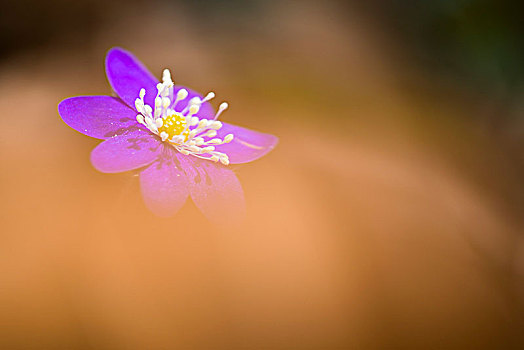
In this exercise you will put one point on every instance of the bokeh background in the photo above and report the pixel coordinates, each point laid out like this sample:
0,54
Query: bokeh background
390,216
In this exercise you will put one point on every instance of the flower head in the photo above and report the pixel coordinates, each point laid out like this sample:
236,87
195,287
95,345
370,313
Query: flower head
169,132
187,133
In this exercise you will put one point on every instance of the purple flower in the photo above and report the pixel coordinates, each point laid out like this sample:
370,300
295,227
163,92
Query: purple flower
169,132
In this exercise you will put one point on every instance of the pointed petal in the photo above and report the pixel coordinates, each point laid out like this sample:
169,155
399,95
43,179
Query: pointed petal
215,190
164,185
247,145
97,116
126,152
127,75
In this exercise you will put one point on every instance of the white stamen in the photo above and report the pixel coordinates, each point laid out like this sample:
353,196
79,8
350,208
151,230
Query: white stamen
209,96
166,76
216,125
193,109
202,123
198,135
211,133
195,101
166,102
199,141
177,139
139,105
228,138
181,94
195,149
223,106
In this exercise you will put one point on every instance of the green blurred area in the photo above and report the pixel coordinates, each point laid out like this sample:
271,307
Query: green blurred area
477,40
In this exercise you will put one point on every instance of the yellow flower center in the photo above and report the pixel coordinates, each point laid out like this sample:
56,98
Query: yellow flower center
173,125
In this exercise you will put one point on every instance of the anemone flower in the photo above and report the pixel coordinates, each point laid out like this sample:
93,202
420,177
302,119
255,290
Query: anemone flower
171,134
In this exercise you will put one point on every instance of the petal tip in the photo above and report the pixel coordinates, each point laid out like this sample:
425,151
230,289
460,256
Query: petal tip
127,75
62,106
164,187
116,50
274,141
115,53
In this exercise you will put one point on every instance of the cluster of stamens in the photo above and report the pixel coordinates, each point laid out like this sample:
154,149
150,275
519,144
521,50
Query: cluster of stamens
187,133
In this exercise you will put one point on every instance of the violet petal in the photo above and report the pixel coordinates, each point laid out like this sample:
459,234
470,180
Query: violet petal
127,75
98,116
247,145
164,184
215,190
126,152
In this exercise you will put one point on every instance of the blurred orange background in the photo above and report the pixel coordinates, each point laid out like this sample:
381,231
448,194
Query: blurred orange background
389,215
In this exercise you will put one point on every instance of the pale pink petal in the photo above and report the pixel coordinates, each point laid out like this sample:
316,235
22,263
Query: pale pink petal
164,184
98,116
126,152
215,190
247,145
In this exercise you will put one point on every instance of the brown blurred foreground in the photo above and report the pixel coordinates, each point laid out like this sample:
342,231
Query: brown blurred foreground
384,219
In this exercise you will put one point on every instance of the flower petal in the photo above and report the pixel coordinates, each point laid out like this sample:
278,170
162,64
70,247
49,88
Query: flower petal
215,190
127,75
164,184
247,145
97,116
126,152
